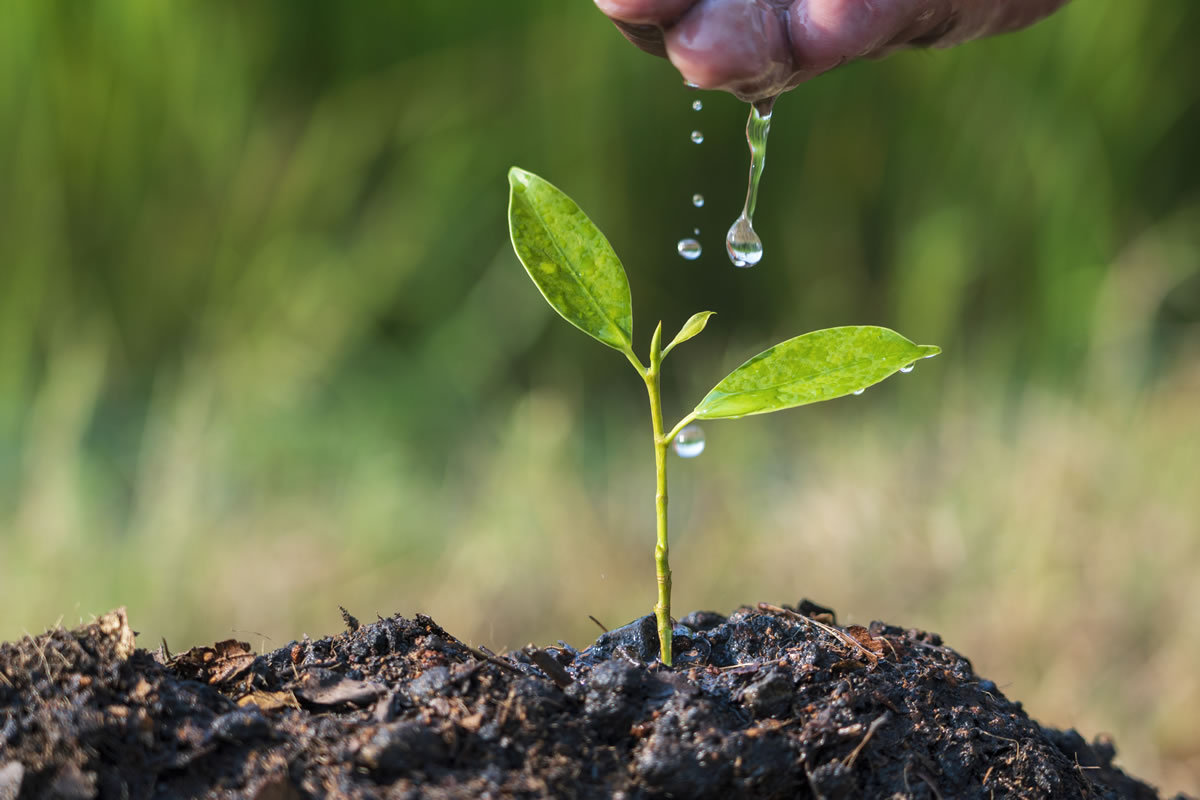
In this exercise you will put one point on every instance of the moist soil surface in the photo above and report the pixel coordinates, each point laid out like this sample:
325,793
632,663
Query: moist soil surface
768,702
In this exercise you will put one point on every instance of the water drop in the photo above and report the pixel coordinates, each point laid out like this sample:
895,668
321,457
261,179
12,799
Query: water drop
697,137
698,200
857,392
689,442
691,85
695,231
742,244
697,105
689,249
908,368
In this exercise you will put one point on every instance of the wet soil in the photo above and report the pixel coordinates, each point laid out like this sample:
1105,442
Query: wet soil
768,702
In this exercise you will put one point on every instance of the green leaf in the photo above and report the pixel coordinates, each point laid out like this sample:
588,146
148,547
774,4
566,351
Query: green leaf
569,260
690,328
817,366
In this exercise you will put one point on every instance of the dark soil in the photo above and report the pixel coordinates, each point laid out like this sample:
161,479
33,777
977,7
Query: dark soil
768,702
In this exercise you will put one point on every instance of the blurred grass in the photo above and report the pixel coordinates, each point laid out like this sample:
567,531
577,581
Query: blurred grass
264,348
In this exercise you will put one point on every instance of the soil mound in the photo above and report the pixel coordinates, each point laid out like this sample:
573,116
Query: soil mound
768,702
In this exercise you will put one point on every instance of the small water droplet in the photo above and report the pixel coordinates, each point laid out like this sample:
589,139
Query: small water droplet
691,85
689,249
698,200
697,105
857,392
742,243
695,231
697,137
908,368
689,442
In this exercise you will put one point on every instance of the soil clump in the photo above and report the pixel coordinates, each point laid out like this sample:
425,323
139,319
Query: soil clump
769,702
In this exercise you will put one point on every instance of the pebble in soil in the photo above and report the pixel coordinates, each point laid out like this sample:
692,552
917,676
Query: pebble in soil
768,702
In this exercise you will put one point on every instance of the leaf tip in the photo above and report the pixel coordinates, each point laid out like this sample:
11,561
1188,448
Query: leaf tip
518,178
929,350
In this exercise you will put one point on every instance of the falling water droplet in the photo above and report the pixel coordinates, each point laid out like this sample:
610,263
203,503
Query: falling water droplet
689,442
698,200
689,249
908,368
697,105
695,231
742,244
697,137
857,392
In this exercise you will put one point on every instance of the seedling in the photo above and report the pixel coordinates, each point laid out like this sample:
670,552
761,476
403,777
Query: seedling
576,270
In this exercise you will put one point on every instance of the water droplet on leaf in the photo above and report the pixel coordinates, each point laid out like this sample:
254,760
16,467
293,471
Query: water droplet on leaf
697,137
689,442
907,368
857,392
689,249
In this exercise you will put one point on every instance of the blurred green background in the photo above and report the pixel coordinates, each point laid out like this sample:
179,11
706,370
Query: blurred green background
265,349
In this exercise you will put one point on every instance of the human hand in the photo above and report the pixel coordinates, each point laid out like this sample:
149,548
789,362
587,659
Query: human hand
759,48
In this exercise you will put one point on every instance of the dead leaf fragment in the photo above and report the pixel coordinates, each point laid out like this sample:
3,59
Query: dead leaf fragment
323,688
225,662
864,637
269,701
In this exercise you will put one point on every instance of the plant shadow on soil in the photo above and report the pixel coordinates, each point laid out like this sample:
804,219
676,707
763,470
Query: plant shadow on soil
768,702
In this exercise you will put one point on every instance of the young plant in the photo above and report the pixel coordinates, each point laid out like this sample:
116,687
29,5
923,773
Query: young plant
576,270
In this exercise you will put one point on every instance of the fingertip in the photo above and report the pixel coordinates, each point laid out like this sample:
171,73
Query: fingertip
644,12
732,45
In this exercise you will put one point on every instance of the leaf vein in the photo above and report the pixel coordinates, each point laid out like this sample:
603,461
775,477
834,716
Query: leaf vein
587,291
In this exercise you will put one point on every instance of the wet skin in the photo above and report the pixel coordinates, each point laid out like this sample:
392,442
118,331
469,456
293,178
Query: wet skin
759,48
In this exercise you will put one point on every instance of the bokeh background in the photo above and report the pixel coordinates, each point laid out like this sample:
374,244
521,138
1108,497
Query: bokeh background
265,349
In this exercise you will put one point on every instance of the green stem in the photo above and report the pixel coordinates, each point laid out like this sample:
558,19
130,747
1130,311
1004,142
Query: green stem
662,610
670,437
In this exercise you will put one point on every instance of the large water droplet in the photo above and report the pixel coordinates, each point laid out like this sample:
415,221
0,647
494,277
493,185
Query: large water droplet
742,244
689,249
698,200
697,105
697,137
908,368
689,442
857,392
